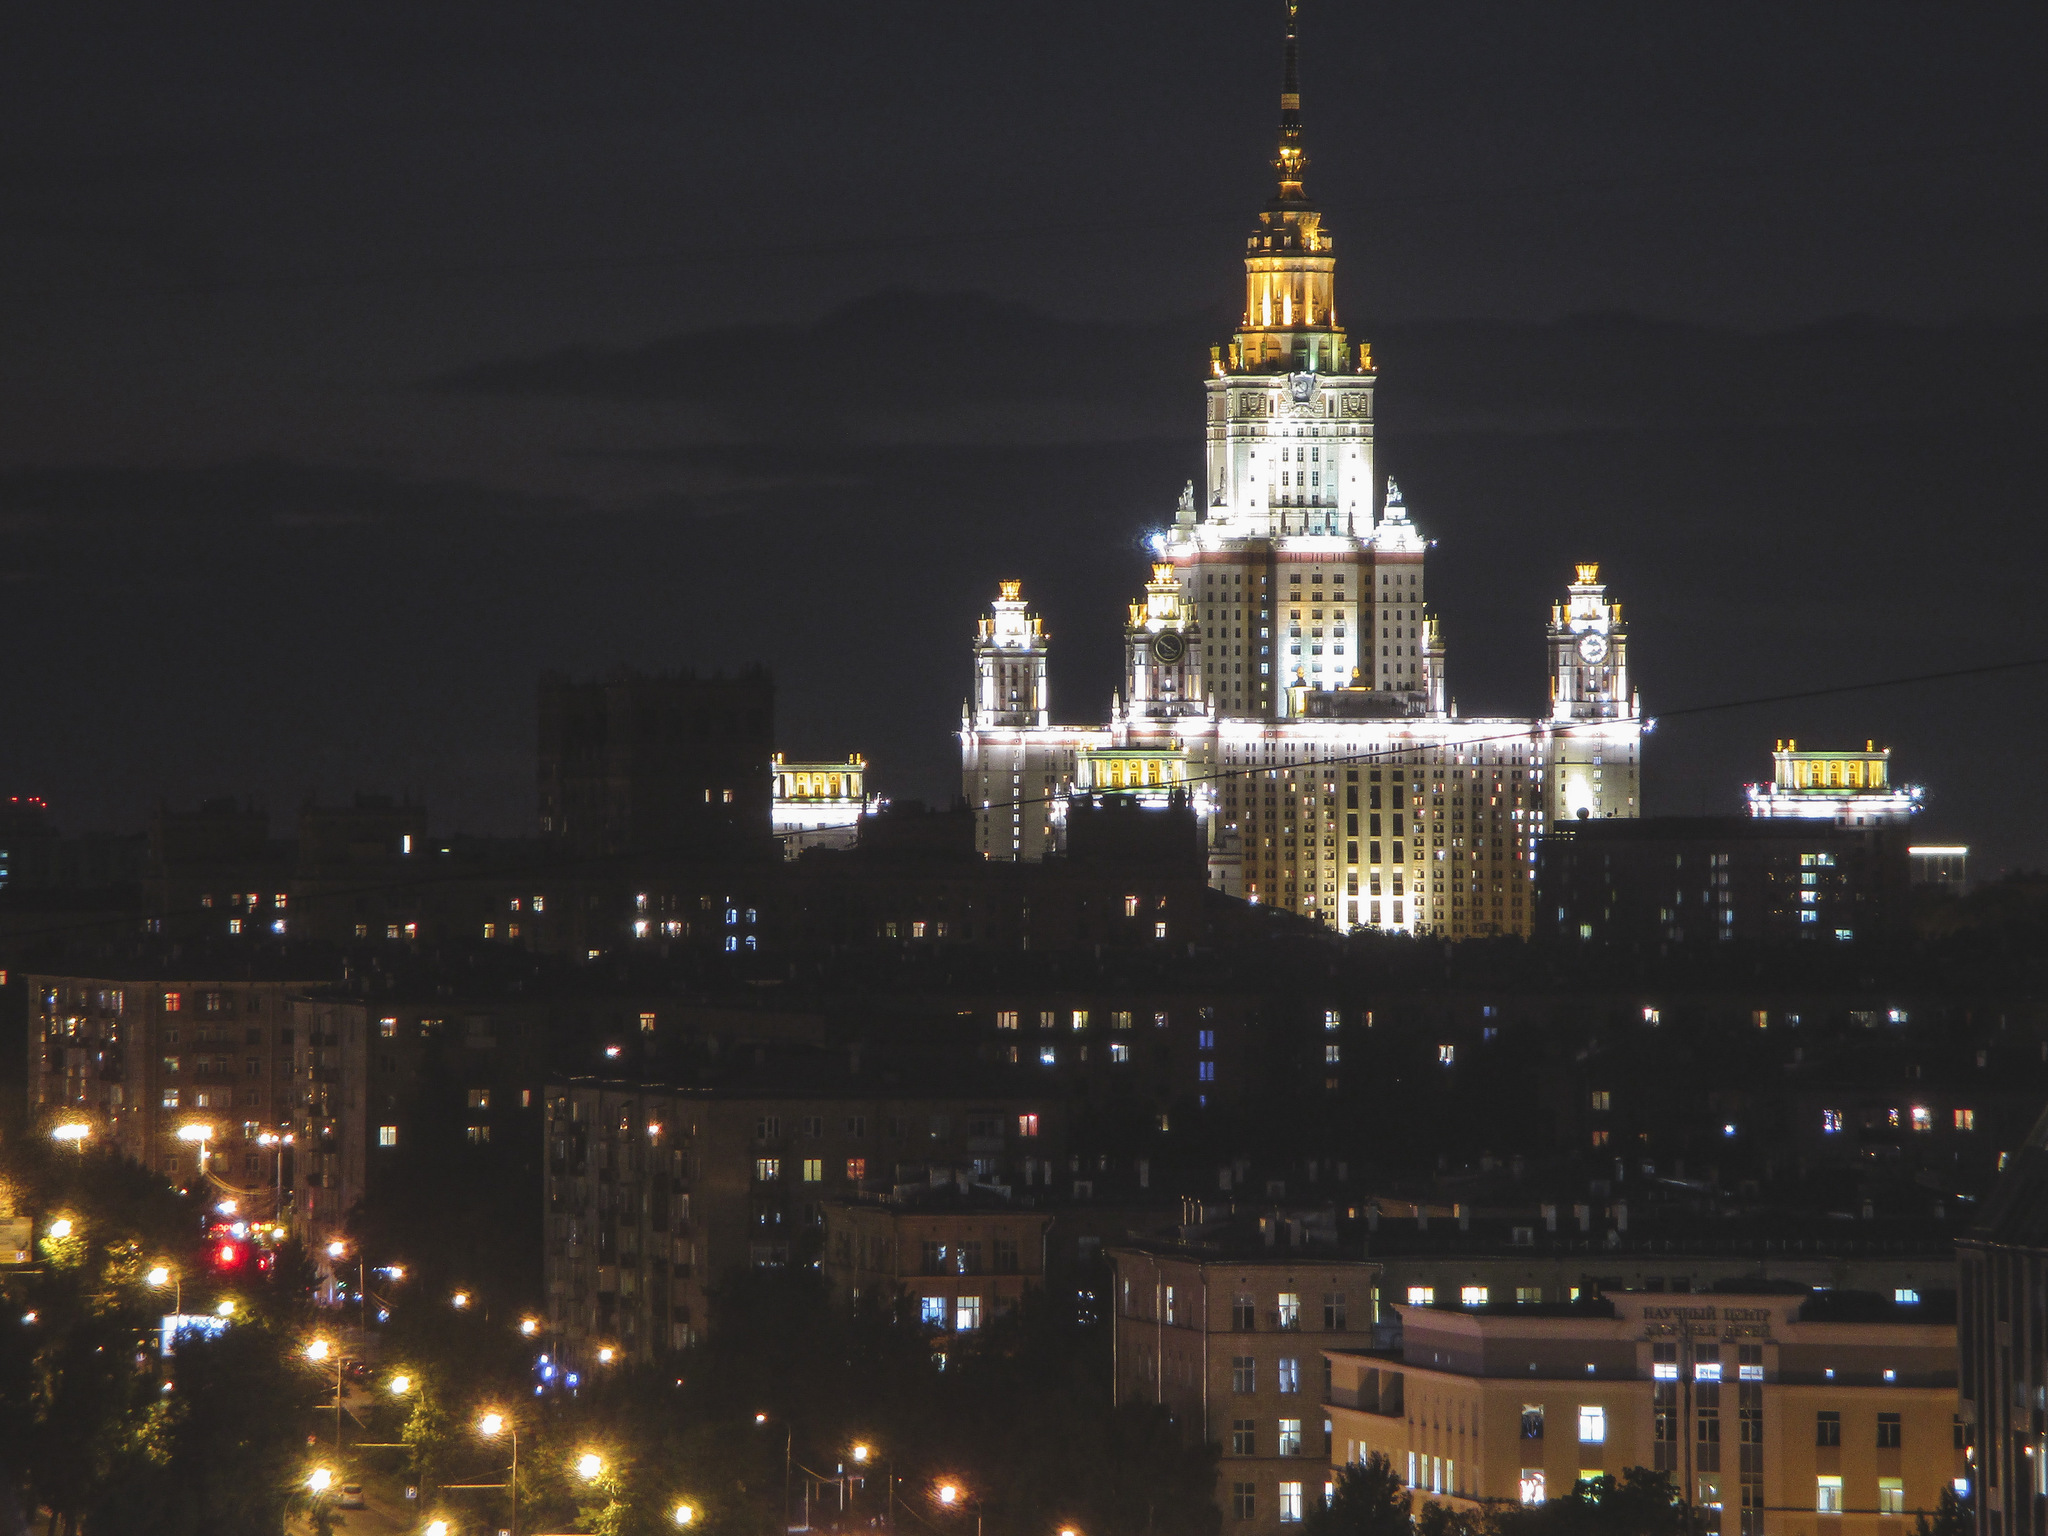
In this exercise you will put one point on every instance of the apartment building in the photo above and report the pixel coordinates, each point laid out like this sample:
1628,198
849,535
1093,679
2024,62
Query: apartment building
1782,1412
1230,1330
961,1258
655,1193
182,1074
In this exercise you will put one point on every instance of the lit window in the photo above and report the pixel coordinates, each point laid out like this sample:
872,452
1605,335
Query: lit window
1080,1018
1830,1121
1332,1054
767,1169
932,1311
1290,1374
387,1028
1290,1437
646,1023
478,1134
1119,1052
1966,1119
1923,1118
1447,1055
1290,1309
814,1170
1159,930
173,1002
1532,1485
387,1135
1027,1125
1592,1425
1007,1019
1130,906
1421,1295
1206,1071
479,1098
1290,1503
1472,1295
1906,1297
967,1314
1891,1496
856,1169
1048,1055
1827,1499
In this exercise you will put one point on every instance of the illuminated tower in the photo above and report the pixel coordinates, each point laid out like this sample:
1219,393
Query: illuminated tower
1009,663
1163,652
1596,723
1276,553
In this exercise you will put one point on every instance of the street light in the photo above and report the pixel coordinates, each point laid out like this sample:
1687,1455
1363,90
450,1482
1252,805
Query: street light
61,1227
590,1466
164,1275
316,1352
788,1456
438,1528
198,1132
226,1308
529,1326
400,1385
490,1426
73,1131
684,1514
459,1300
321,1480
953,1496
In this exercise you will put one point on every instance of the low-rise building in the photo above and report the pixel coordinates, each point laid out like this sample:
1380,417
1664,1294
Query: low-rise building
1230,1331
959,1257
1781,1414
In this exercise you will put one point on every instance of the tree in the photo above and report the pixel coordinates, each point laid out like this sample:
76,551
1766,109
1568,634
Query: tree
1367,1498
1638,1503
1952,1517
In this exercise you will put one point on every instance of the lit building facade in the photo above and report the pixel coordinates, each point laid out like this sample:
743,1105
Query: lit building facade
1773,1413
1853,789
818,805
1282,668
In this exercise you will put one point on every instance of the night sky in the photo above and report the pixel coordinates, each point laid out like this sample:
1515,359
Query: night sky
359,363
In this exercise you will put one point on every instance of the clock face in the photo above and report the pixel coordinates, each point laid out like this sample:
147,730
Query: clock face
1169,647
1592,648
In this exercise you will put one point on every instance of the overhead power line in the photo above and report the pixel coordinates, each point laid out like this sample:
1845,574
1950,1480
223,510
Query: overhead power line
560,864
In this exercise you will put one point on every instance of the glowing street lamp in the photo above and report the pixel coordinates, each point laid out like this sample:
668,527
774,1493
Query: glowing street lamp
162,1276
438,1528
318,1351
952,1496
400,1385
684,1514
459,1300
590,1466
73,1131
321,1480
61,1227
529,1326
336,1249
226,1308
606,1354
490,1426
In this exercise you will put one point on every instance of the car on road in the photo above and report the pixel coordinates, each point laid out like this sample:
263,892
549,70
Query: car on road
351,1496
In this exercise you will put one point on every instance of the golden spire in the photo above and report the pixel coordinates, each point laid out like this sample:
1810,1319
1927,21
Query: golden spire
1292,162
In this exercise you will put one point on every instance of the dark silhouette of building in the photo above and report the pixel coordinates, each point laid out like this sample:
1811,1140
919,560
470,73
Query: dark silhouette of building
1684,882
634,763
2002,1336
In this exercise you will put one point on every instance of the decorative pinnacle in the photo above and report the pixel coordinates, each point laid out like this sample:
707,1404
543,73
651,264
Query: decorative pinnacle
1292,160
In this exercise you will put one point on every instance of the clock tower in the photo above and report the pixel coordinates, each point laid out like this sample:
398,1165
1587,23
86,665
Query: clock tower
1163,652
1596,719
